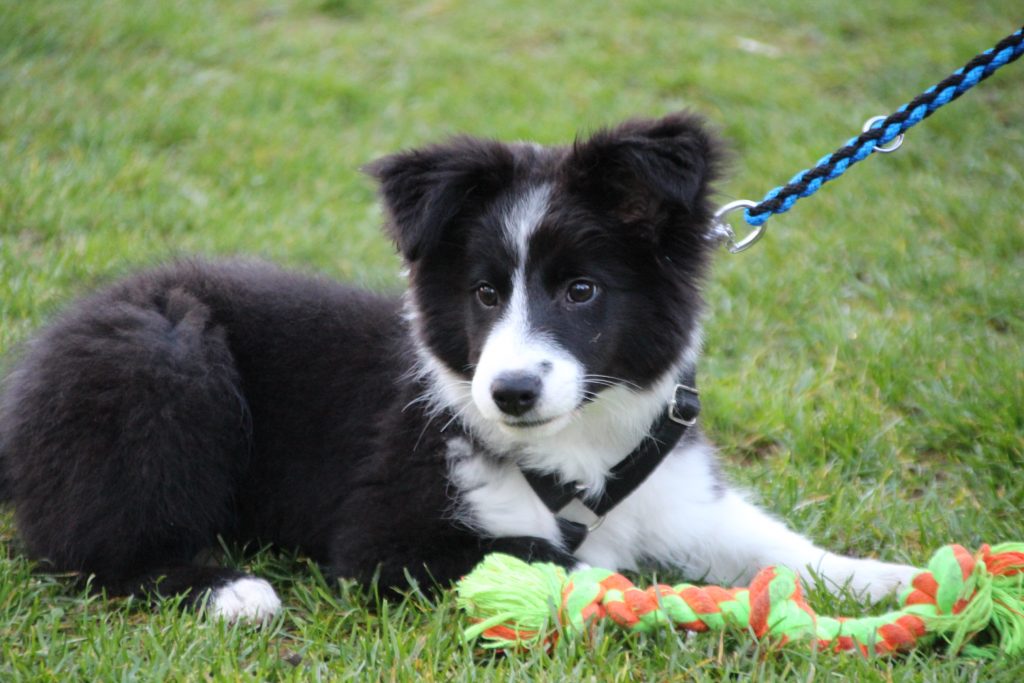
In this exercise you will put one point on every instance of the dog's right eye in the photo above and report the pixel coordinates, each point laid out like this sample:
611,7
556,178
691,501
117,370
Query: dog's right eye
487,295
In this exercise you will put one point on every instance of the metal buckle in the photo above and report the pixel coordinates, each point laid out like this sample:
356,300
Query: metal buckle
673,406
582,489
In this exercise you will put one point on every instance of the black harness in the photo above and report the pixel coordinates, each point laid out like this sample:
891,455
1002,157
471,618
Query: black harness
629,473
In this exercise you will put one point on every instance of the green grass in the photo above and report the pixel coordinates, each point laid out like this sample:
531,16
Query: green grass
865,362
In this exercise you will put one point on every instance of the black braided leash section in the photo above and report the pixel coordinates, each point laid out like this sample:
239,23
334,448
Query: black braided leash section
808,181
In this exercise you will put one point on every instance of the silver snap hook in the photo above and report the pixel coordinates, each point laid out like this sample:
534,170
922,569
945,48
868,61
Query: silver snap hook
721,228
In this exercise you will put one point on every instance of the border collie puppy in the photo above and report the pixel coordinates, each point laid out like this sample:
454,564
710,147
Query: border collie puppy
532,392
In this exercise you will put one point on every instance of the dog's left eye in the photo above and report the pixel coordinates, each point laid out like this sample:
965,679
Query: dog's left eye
580,291
487,295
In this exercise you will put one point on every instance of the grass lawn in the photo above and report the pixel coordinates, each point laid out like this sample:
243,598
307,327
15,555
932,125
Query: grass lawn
864,372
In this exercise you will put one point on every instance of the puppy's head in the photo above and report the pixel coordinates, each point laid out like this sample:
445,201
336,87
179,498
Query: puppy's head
542,276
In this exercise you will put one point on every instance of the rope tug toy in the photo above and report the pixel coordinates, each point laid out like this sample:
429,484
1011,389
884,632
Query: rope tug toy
975,602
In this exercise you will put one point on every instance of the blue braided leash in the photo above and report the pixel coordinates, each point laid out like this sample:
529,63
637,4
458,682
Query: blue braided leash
881,131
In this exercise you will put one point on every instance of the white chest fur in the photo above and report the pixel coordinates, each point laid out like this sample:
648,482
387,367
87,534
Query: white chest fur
494,497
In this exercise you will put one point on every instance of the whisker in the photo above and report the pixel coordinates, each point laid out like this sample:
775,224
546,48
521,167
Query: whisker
426,425
422,398
456,416
612,381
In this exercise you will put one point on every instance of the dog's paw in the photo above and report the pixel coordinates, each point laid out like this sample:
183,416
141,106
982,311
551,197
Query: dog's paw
870,579
246,599
881,579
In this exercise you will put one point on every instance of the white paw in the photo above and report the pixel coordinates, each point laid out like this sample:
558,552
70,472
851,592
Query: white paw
869,579
880,579
246,599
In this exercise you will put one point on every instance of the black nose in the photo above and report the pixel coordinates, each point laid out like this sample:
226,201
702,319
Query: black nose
515,392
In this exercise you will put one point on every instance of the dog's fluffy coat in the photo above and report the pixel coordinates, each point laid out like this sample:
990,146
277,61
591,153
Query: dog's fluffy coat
554,299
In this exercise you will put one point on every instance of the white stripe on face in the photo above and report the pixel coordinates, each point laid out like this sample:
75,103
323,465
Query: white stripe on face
514,347
522,219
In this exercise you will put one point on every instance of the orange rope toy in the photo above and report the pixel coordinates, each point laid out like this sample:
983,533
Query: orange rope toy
973,601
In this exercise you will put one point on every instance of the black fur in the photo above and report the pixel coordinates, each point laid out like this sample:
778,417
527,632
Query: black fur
233,399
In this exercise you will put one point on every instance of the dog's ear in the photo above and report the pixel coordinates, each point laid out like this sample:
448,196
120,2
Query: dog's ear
645,171
426,190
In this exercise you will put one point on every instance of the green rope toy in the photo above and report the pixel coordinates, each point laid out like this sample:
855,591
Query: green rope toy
974,602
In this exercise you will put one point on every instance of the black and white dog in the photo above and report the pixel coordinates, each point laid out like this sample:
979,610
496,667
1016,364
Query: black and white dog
540,364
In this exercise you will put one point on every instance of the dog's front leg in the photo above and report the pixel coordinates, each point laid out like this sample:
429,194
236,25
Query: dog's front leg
687,517
433,531
494,500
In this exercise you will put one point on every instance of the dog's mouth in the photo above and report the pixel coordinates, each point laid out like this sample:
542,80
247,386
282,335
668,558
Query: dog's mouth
528,424
525,424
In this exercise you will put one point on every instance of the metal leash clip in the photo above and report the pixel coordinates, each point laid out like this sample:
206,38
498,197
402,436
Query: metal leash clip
723,232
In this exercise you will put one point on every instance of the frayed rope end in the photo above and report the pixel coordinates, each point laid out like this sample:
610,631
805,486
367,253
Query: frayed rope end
512,604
